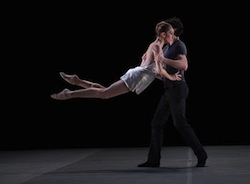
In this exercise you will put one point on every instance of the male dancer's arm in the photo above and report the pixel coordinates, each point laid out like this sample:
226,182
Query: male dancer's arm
159,66
181,63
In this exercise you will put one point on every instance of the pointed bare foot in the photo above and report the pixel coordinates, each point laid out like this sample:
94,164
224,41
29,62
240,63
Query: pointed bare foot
60,96
69,78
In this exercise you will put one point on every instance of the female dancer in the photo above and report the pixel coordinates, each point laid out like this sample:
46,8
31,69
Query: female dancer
135,79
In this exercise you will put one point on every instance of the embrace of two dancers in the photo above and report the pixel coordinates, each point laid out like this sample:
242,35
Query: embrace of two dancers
136,79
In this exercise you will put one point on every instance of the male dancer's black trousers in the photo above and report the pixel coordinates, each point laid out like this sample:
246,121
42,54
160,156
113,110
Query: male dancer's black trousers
173,102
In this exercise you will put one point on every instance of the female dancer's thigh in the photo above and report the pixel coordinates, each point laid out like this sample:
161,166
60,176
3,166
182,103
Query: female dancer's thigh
116,89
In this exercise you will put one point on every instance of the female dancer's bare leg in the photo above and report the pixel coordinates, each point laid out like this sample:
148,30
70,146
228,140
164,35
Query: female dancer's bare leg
115,89
75,80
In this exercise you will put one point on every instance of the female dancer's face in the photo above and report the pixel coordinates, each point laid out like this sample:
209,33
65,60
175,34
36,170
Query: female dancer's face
169,37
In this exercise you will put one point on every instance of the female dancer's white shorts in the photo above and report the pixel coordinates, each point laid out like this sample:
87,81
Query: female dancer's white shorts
138,79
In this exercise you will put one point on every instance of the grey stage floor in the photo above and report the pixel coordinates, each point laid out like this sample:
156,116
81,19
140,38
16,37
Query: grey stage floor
225,165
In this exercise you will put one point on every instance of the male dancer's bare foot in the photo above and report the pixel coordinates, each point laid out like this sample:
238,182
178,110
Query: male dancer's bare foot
60,96
69,78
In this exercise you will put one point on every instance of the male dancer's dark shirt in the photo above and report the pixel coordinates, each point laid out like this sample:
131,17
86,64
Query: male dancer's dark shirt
172,52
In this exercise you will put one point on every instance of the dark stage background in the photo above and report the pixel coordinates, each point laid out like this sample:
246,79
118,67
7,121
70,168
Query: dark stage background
101,44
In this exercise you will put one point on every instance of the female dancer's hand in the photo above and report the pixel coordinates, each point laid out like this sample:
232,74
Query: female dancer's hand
176,76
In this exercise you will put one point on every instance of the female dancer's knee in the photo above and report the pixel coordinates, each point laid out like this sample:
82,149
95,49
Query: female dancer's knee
103,94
